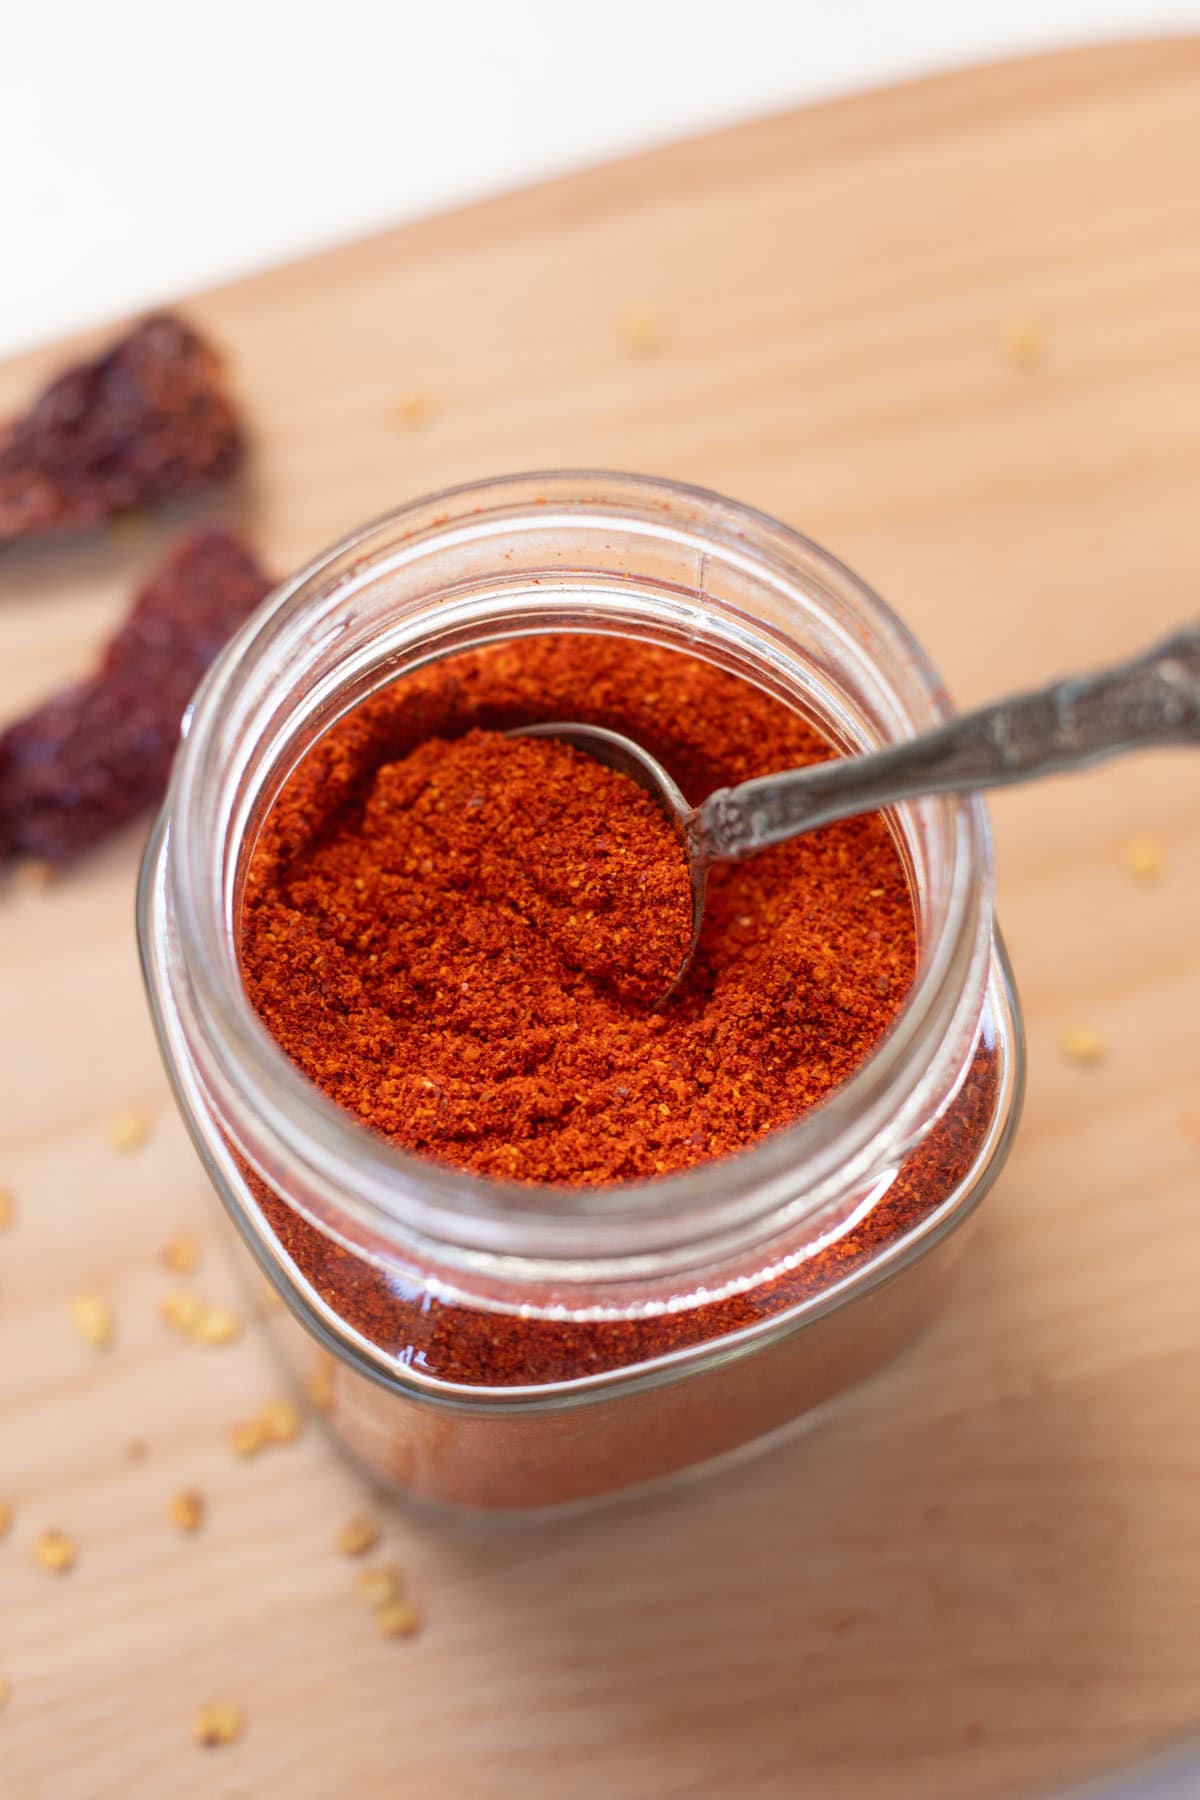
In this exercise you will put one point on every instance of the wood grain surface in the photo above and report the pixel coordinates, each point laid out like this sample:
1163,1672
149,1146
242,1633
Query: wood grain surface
982,1575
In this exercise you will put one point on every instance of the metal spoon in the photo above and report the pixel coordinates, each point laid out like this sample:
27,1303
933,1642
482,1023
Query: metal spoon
1154,699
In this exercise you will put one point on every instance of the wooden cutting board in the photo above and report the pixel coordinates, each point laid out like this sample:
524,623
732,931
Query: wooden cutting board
952,331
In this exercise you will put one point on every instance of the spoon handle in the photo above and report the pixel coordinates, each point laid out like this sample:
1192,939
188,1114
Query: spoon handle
1153,699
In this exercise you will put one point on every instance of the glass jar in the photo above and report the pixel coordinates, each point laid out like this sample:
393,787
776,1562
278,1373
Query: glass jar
639,1330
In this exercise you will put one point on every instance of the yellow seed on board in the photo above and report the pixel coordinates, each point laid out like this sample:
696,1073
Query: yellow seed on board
186,1509
1080,1044
126,1130
55,1551
5,1691
181,1253
642,330
92,1318
248,1437
182,1310
412,410
6,1518
1144,859
377,1586
397,1618
358,1535
217,1724
217,1325
281,1421
1024,344
8,1208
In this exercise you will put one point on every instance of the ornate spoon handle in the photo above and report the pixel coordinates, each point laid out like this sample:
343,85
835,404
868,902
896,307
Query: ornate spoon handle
1154,699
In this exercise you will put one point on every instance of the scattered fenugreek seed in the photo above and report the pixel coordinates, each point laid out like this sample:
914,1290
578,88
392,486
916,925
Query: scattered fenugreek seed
1144,859
1024,344
412,410
6,1518
642,330
5,1691
358,1535
185,1311
377,1586
55,1551
181,1253
92,1318
281,1421
126,1130
8,1208
186,1509
217,1724
397,1618
248,1437
217,1325
270,1299
1080,1044
182,1310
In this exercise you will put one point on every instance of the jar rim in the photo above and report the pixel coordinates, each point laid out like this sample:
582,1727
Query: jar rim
405,1200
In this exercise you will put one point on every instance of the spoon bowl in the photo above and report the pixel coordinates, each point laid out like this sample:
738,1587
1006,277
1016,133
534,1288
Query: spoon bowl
616,751
1152,699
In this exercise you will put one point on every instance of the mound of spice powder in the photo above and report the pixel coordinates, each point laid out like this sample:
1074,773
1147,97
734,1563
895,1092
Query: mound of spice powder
458,935
512,874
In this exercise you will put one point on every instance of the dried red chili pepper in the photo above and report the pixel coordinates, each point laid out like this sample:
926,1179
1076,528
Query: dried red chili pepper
148,419
98,753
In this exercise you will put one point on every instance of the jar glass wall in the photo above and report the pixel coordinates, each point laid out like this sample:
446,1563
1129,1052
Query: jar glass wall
639,1330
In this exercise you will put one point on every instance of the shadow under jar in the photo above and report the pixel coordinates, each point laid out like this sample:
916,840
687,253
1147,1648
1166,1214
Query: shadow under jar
508,1346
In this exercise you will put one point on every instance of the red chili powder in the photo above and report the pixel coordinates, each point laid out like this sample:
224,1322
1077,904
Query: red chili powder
439,927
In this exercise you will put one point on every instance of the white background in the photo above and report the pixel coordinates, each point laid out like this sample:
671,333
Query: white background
148,147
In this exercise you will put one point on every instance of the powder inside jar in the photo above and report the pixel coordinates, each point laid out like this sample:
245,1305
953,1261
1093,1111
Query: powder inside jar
459,936
516,873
